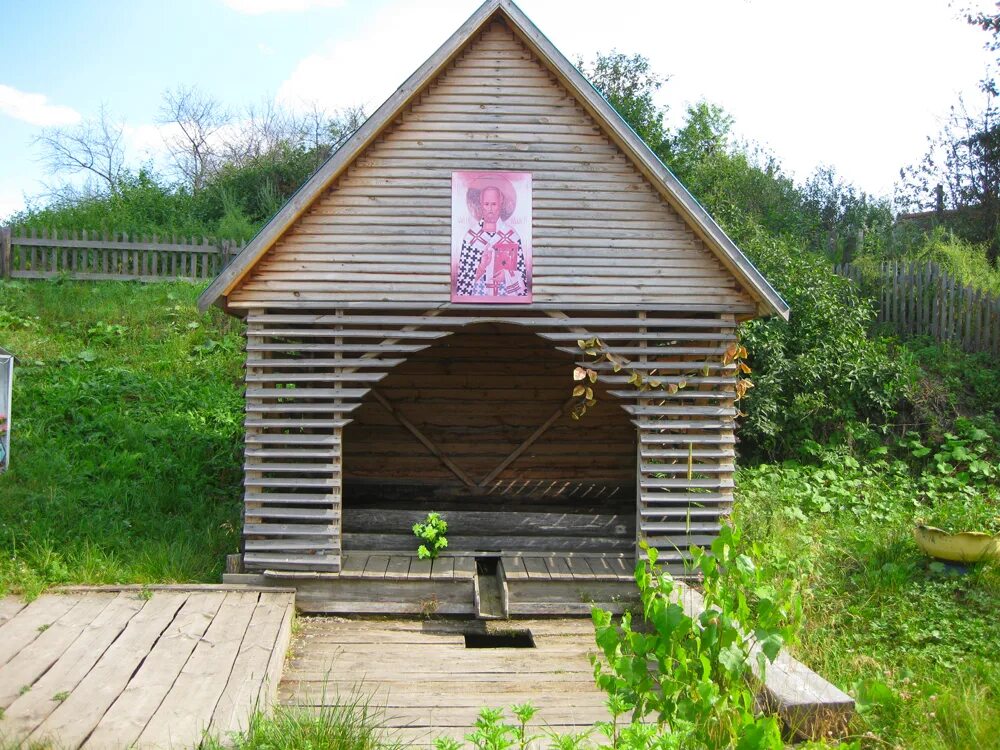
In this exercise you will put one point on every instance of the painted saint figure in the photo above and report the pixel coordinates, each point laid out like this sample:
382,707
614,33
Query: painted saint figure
491,263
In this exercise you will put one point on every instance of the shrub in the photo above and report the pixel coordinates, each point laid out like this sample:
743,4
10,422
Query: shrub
683,680
821,370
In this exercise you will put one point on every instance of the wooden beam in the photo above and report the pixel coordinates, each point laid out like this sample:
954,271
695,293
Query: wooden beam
528,442
449,464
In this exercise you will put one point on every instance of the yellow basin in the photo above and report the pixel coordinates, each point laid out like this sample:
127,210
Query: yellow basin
965,546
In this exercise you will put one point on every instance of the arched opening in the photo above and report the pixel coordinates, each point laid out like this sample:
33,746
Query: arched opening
477,427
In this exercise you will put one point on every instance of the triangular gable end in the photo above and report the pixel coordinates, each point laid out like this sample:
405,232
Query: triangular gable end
610,123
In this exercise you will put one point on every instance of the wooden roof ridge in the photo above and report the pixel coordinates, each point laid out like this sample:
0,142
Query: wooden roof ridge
663,180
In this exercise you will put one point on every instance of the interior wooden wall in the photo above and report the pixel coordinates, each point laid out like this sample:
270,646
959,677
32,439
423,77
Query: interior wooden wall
477,395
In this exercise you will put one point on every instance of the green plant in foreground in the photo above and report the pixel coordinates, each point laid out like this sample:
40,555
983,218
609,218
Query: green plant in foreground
354,724
493,732
958,481
685,681
432,533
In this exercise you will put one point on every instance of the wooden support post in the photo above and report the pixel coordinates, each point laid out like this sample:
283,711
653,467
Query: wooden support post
5,265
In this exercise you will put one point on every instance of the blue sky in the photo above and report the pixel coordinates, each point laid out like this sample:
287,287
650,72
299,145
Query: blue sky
856,84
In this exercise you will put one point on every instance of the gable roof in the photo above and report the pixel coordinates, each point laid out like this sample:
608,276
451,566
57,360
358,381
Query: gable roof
663,180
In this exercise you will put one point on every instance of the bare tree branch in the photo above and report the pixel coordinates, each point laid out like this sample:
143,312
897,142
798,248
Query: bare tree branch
94,147
194,145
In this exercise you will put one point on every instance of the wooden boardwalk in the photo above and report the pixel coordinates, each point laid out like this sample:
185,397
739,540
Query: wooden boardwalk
431,684
156,668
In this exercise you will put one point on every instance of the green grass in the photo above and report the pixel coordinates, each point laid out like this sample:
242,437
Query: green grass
915,642
126,436
353,725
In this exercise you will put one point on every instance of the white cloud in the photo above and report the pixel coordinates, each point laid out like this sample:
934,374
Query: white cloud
368,67
258,7
11,200
35,109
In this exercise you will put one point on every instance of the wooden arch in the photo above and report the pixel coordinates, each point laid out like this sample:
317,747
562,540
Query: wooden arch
308,371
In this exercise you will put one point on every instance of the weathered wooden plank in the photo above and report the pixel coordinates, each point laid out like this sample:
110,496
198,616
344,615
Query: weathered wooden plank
31,622
252,676
21,672
536,568
465,568
443,568
376,566
498,544
31,708
187,709
9,607
398,567
521,523
559,569
459,321
77,716
420,569
128,715
322,560
338,332
513,567
579,568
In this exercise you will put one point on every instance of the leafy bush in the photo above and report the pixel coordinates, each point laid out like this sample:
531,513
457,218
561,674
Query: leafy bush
965,260
432,533
958,483
820,371
684,682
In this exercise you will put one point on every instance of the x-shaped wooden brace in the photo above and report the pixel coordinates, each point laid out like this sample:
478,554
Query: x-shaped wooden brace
449,464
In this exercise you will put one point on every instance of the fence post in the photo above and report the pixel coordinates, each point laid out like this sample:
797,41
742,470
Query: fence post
5,260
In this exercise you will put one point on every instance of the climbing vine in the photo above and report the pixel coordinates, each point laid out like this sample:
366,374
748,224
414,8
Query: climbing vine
585,376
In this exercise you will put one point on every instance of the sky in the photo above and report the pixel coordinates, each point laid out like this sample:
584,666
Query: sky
857,85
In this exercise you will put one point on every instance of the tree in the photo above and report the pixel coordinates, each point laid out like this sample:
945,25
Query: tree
95,147
964,159
990,23
194,143
629,84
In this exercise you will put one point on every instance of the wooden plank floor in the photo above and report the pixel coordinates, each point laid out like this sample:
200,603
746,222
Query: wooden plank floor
550,566
110,668
403,567
432,685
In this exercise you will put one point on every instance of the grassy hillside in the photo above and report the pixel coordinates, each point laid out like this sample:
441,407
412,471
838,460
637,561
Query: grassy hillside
125,455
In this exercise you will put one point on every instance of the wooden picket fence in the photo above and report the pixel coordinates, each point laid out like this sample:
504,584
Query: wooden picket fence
924,299
41,254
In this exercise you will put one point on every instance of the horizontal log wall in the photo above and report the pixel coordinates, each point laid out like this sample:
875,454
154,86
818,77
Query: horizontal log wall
478,395
308,375
601,233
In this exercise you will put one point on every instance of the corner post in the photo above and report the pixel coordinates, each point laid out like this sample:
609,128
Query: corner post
5,268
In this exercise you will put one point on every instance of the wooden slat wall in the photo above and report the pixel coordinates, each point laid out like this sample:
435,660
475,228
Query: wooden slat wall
309,374
601,233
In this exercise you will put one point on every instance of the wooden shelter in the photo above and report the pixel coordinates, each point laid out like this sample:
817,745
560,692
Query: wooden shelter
373,397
